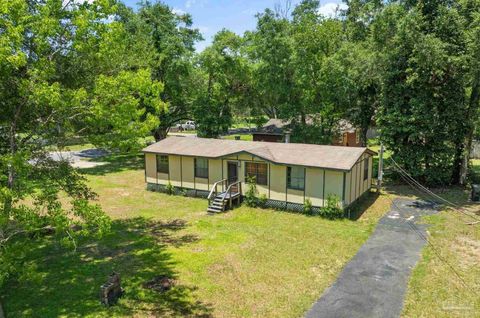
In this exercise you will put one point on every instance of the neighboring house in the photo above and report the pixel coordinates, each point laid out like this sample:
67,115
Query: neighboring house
272,131
277,130
286,174
349,136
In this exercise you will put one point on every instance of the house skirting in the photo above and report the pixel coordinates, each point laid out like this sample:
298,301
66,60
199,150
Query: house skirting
178,191
269,203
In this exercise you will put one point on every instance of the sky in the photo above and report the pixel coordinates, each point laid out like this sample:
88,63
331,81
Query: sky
211,16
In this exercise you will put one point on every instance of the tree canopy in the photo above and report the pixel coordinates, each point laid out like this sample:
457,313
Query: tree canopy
116,76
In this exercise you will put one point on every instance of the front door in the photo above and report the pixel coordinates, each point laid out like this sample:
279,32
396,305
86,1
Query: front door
232,172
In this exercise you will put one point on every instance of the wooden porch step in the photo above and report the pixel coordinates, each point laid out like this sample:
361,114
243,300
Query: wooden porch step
223,200
213,209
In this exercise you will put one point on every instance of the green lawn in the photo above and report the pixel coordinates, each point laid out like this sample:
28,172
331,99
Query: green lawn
434,290
244,263
242,137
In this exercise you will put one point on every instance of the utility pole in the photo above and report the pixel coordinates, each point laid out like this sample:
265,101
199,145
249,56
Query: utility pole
380,169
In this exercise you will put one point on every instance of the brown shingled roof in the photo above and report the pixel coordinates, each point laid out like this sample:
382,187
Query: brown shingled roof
330,157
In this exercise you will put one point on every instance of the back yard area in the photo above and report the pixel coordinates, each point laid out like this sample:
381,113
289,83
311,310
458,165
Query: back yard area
244,263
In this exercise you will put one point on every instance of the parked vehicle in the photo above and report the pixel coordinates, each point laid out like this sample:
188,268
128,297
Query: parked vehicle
189,125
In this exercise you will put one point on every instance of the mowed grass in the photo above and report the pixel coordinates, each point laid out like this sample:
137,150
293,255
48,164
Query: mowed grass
434,289
246,137
243,263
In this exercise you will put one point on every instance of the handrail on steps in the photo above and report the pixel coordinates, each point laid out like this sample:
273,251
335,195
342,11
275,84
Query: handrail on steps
229,191
213,192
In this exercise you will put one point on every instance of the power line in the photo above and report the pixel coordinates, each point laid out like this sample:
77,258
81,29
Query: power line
415,229
418,186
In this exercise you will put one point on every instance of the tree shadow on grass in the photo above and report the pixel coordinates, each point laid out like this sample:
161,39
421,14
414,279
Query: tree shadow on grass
457,195
67,283
115,163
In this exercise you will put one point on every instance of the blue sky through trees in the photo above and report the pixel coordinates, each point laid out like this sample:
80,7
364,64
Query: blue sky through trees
210,16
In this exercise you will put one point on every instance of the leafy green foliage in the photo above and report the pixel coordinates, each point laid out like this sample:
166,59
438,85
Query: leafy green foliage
332,209
169,38
56,80
251,195
169,188
423,113
124,109
307,207
220,86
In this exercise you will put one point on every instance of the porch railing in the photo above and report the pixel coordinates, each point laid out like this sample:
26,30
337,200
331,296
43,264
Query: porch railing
214,191
235,187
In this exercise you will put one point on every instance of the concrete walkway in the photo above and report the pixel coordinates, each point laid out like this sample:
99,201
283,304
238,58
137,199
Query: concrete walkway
374,282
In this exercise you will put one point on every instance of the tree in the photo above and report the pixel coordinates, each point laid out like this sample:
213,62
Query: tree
313,114
352,82
123,109
270,51
471,24
222,76
421,116
169,38
54,79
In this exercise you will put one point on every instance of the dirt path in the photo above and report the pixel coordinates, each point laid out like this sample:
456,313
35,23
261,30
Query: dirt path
374,282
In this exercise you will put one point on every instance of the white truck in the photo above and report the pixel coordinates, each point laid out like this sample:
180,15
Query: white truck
189,125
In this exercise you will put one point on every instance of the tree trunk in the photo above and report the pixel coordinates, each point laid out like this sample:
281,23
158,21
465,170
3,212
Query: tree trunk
363,137
2,314
7,205
472,112
160,133
466,158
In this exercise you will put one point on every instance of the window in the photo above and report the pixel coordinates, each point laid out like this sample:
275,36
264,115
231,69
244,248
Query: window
201,168
366,167
357,136
296,178
162,164
256,170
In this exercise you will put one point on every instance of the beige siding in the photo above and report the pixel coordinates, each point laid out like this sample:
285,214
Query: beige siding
278,181
187,173
181,174
214,171
243,157
314,186
201,184
333,183
295,196
356,185
174,170
348,198
151,167
162,178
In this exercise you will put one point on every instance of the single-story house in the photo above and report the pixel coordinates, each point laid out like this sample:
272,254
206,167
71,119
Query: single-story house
286,174
273,131
348,135
278,130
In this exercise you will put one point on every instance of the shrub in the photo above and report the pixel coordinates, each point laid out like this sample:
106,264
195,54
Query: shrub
262,200
251,198
183,192
307,207
332,209
169,188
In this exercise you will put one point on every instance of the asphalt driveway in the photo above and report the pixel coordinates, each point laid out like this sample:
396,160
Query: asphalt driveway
374,282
